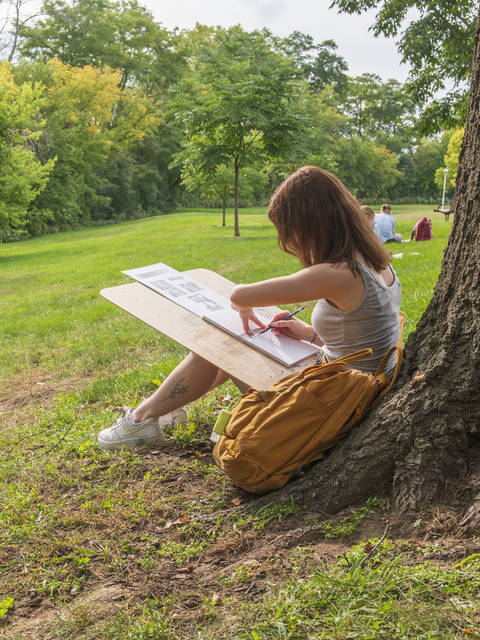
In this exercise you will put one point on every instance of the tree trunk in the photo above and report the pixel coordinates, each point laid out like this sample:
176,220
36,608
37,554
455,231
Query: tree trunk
423,441
224,204
237,171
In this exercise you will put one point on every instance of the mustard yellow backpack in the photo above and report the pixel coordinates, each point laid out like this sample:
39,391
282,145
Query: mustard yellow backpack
271,434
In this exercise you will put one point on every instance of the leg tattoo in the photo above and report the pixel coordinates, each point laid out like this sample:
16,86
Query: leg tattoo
179,389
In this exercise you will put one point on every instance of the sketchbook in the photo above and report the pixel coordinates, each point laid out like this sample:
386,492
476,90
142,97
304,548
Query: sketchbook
216,310
285,350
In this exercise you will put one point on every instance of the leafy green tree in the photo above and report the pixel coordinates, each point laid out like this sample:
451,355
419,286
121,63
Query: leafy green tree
254,186
243,104
380,111
319,63
22,175
450,160
362,92
138,181
88,118
316,142
217,187
427,158
368,170
121,35
437,43
406,185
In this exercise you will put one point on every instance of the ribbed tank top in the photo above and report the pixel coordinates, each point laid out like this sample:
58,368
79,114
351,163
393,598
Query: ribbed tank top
374,323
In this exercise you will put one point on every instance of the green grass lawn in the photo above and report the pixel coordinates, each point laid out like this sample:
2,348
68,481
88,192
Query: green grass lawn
158,544
49,292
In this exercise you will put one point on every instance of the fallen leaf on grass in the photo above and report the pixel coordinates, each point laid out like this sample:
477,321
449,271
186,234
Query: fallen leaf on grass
177,522
188,569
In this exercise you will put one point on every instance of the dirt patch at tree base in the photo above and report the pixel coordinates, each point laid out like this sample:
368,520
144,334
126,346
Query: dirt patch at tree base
21,399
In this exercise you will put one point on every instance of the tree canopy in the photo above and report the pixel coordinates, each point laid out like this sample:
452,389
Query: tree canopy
437,43
133,119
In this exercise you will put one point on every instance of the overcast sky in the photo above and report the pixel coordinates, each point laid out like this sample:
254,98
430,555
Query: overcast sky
362,52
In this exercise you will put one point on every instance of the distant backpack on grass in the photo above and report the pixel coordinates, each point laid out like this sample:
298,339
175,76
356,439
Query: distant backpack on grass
422,230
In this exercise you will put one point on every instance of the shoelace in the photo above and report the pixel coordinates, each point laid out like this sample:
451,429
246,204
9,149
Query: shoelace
118,420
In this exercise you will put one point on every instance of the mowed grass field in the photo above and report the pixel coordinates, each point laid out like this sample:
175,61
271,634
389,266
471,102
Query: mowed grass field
54,322
158,543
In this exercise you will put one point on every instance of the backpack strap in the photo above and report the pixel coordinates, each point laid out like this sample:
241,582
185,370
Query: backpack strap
353,357
331,364
385,359
398,361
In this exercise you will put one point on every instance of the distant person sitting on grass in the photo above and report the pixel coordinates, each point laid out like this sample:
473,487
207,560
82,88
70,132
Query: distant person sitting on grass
385,225
422,230
370,213
344,267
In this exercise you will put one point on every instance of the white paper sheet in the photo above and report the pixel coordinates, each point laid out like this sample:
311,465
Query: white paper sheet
285,350
216,309
180,289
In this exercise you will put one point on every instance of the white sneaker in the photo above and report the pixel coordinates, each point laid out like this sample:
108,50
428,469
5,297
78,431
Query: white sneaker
125,432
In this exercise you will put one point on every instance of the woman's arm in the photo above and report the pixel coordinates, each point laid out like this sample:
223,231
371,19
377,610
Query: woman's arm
335,282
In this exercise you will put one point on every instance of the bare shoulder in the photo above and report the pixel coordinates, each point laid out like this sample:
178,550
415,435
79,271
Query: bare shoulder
336,272
339,284
332,280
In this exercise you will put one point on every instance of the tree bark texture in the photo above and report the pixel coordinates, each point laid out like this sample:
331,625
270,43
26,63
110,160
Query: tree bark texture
424,439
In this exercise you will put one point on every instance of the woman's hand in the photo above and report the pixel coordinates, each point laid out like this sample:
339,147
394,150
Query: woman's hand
293,328
247,315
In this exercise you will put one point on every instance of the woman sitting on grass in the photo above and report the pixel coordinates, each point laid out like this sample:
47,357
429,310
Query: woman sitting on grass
344,266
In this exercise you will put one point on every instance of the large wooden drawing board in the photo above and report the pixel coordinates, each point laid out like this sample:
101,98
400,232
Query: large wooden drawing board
236,358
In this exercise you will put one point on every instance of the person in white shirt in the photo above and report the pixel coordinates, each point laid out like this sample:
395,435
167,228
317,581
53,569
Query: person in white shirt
384,225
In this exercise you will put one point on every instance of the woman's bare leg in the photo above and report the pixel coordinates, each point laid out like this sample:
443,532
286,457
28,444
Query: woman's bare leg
222,377
190,380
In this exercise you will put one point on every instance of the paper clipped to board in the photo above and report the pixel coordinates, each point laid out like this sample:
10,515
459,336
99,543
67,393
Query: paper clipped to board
216,309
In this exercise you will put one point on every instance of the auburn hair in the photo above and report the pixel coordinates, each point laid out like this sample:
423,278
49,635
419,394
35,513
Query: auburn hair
318,220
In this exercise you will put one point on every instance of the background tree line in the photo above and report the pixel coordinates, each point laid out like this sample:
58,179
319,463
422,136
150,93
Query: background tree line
106,115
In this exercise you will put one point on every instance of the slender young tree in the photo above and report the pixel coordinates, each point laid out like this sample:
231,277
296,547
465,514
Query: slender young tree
243,106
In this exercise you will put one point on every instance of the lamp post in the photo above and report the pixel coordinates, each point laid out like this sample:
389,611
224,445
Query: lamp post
445,171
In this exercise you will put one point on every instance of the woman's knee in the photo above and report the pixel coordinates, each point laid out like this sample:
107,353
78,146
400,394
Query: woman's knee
200,363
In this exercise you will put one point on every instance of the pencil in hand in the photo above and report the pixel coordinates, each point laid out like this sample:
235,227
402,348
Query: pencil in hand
290,315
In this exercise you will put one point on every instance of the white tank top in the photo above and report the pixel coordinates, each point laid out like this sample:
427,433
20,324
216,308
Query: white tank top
374,323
